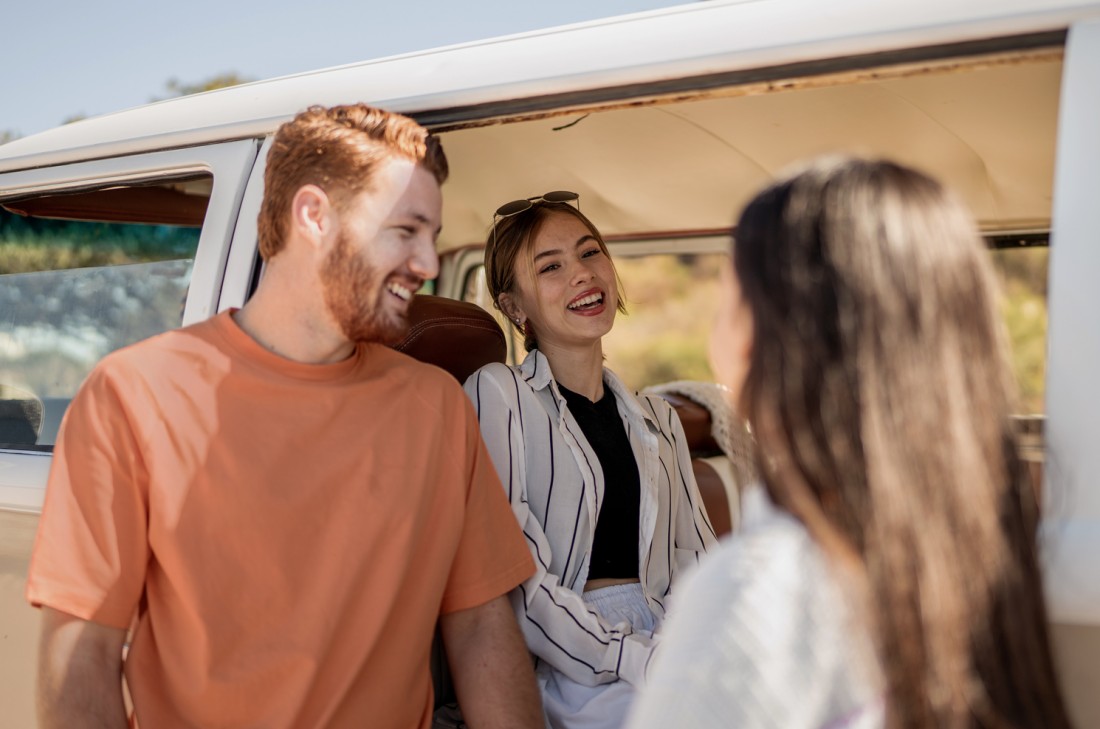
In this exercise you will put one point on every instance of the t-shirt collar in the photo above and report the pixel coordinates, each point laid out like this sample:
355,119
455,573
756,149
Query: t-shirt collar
258,356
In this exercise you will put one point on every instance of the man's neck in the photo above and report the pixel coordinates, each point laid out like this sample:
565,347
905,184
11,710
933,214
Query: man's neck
285,319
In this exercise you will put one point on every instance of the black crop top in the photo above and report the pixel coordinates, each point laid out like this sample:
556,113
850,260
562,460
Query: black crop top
615,539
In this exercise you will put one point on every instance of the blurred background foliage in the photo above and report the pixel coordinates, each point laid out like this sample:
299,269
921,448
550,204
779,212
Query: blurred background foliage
36,244
1023,275
175,87
671,302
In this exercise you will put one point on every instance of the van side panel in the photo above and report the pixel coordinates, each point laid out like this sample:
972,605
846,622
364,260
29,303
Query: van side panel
1072,534
19,636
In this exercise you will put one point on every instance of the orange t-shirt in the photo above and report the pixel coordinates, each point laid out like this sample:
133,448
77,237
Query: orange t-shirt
285,534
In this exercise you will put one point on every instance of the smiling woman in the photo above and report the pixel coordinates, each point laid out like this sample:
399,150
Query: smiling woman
565,290
590,611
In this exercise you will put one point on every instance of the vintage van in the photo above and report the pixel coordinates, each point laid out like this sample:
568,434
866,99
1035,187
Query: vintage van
664,122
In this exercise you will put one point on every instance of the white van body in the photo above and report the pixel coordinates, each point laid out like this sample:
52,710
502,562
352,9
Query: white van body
665,122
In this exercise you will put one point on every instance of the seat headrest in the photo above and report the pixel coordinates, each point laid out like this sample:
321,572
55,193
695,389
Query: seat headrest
455,335
20,416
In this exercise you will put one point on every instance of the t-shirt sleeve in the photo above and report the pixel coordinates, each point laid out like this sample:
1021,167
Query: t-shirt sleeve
90,552
492,556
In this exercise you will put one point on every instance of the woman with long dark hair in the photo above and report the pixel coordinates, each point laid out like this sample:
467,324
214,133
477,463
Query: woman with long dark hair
887,573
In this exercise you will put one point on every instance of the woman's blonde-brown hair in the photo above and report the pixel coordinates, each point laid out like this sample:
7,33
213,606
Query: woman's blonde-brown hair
880,393
337,149
512,236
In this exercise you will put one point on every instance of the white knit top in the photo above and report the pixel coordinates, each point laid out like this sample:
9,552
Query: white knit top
761,635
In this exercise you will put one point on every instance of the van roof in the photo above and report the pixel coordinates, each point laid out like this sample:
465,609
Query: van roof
609,57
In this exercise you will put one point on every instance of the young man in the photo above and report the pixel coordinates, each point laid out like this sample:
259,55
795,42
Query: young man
279,505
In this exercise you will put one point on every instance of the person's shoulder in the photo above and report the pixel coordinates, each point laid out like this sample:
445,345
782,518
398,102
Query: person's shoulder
770,545
504,378
657,404
765,522
142,367
664,416
775,620
495,371
148,354
754,580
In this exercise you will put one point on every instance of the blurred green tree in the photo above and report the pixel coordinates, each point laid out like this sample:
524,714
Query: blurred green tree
175,87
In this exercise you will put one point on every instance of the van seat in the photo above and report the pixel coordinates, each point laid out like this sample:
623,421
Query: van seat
20,417
457,336
717,486
718,476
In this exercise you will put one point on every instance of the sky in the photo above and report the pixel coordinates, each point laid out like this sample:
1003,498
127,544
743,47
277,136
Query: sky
63,58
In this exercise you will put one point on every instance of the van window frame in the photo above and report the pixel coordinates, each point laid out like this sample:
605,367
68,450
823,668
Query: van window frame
23,473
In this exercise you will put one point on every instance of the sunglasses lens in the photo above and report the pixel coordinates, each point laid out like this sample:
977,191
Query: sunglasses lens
512,208
560,196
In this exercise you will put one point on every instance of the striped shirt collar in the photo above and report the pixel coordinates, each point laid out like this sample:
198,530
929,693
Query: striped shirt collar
535,371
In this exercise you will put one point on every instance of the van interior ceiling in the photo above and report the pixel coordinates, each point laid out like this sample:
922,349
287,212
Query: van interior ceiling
679,166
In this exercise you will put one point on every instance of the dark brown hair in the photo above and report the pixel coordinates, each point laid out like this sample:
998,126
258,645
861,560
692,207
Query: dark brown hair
513,235
338,149
881,396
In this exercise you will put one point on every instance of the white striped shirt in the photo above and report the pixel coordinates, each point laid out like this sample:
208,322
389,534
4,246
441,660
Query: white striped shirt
556,488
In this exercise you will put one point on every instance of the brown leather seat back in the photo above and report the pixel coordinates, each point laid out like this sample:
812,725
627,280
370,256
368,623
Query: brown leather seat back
696,420
457,336
715,499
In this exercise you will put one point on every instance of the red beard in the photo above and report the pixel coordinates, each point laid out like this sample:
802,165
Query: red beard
354,291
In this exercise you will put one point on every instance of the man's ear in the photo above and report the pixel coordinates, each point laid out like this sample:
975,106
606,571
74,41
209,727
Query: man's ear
312,214
511,308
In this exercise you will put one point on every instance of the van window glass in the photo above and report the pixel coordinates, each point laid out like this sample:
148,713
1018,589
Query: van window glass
81,275
1023,278
671,301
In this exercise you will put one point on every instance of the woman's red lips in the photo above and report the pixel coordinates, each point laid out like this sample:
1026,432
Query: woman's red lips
587,303
586,298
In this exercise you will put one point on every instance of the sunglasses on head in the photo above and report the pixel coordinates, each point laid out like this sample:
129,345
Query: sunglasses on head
516,207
